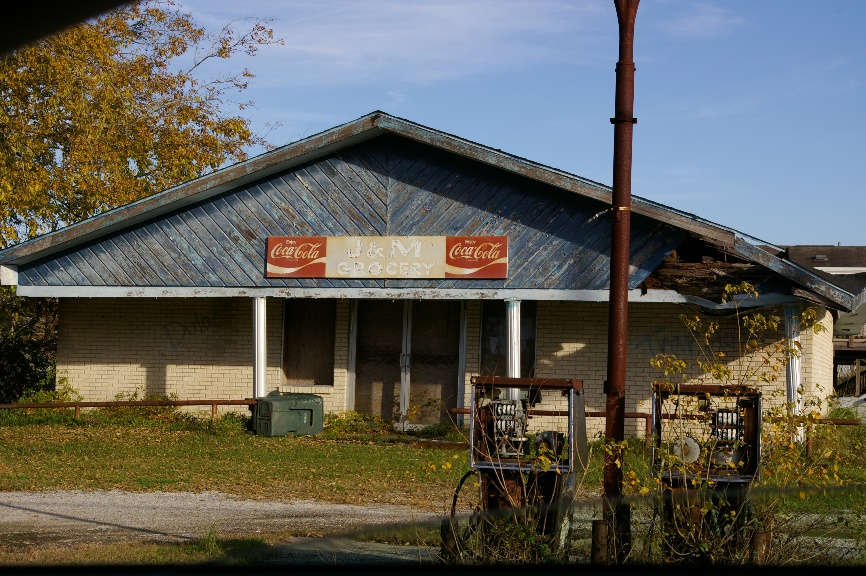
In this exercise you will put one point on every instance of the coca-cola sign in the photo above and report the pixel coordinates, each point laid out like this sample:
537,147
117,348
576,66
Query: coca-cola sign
476,256
387,257
296,257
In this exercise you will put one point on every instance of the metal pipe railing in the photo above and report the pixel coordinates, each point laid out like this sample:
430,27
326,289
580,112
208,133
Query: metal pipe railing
113,403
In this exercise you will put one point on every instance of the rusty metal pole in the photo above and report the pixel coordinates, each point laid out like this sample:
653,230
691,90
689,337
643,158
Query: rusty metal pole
618,512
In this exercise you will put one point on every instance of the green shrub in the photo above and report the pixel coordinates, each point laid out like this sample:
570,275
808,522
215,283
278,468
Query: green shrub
443,430
352,422
26,416
138,414
64,392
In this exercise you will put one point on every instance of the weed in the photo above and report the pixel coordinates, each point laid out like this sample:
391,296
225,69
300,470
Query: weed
714,504
352,422
210,545
446,430
139,414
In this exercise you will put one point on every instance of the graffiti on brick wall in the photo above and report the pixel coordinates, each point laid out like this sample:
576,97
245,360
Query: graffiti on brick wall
180,332
662,339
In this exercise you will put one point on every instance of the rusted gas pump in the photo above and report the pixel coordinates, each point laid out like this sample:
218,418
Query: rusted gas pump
518,481
706,453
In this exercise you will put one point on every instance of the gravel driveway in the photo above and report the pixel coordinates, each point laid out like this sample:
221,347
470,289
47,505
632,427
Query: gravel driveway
69,518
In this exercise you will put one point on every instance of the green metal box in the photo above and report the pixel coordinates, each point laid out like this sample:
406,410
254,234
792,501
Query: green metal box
281,414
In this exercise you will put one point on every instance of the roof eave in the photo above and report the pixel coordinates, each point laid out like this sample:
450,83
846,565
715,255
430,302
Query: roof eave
745,248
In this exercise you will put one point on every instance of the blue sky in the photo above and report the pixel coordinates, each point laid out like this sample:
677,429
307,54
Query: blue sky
750,113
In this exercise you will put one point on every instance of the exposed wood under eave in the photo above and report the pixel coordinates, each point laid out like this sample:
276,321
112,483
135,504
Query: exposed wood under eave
705,279
849,344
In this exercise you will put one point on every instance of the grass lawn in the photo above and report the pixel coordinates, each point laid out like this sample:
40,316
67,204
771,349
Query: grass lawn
355,461
161,456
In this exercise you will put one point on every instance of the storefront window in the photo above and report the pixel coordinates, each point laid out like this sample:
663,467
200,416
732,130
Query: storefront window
494,339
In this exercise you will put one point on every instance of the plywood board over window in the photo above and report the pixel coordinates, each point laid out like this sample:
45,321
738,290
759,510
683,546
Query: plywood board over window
379,359
308,342
435,359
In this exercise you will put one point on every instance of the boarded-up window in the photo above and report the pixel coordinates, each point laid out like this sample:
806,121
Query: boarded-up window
308,341
494,339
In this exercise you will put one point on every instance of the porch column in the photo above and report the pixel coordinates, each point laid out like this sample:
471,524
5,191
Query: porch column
512,315
353,351
461,370
260,365
792,370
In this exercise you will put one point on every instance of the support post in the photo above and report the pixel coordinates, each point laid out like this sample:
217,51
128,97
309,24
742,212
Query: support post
792,369
598,545
617,513
461,370
406,361
858,386
512,315
260,365
353,349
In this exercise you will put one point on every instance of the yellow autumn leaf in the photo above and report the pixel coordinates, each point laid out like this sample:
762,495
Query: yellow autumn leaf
122,111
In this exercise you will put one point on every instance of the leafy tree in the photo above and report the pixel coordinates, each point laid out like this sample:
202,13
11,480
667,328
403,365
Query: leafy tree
28,337
99,115
115,109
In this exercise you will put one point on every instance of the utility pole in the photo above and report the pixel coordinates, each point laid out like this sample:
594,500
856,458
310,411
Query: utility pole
618,513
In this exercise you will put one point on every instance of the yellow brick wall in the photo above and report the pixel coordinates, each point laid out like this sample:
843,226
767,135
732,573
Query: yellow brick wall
202,348
195,348
572,343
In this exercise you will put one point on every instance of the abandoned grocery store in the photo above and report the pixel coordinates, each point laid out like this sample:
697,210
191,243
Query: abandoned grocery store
381,264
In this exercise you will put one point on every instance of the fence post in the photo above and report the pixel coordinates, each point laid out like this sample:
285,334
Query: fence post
759,547
599,550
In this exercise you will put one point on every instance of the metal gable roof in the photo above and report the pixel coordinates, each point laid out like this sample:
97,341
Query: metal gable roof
389,185
371,126
364,128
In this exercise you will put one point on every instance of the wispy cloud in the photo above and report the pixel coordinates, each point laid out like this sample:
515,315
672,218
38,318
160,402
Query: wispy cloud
344,42
698,20
397,96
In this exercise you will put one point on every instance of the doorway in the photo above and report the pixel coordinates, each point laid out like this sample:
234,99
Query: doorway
407,359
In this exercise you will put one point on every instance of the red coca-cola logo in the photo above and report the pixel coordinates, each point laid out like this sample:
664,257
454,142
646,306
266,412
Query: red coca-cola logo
476,257
296,257
483,251
297,251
